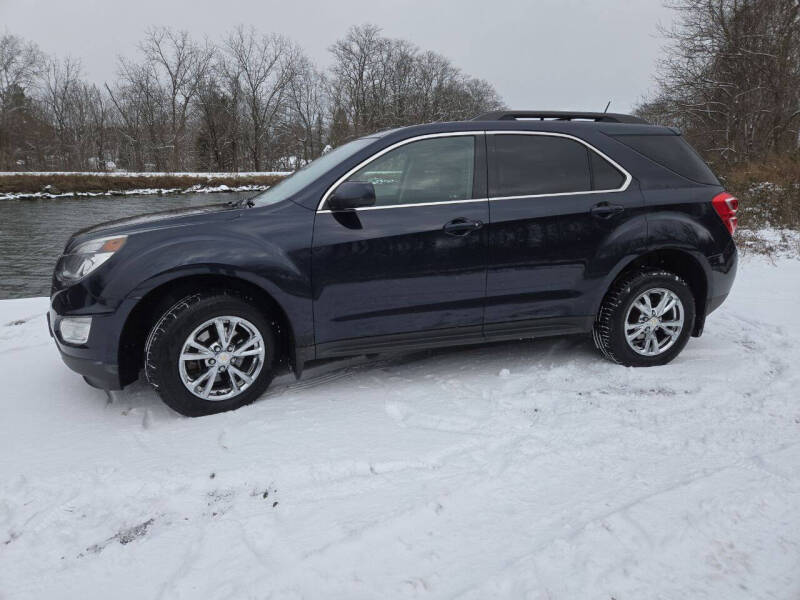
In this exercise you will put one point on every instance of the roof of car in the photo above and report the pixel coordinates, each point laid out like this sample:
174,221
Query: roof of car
563,122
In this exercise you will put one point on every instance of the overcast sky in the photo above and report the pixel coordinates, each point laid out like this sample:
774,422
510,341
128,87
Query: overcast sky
542,54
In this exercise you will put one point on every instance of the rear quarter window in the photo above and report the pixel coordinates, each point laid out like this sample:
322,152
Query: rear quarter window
604,175
672,152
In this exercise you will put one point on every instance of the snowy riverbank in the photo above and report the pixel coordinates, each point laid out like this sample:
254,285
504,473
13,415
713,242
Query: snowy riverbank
194,189
526,469
57,185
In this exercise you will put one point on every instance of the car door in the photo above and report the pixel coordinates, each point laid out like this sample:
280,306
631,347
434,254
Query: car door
415,261
555,204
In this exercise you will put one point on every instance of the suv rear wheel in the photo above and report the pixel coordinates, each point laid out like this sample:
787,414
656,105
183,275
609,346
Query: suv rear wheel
645,319
211,352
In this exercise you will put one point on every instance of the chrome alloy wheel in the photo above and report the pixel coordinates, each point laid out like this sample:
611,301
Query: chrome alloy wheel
221,358
654,322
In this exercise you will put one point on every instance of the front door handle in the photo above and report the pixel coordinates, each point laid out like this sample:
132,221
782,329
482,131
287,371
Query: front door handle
604,210
461,226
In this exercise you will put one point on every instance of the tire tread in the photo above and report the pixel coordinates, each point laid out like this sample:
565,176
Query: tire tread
614,299
165,328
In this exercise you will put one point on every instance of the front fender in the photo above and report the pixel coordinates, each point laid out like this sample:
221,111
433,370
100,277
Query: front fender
269,248
279,272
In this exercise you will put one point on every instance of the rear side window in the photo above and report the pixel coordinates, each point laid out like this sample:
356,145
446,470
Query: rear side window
672,152
526,165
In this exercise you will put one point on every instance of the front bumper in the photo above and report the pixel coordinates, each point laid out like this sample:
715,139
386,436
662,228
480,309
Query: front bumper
93,360
95,373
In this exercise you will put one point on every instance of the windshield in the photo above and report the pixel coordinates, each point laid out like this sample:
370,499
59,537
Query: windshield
301,178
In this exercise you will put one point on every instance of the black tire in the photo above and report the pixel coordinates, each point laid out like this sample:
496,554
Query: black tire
609,328
165,343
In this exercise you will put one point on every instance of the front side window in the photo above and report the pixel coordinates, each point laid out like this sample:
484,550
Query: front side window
430,170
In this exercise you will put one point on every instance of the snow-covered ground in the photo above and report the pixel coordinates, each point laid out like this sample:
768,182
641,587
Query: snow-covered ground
517,470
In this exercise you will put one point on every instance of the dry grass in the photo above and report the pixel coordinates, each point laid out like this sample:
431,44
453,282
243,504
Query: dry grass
768,192
769,205
64,183
775,169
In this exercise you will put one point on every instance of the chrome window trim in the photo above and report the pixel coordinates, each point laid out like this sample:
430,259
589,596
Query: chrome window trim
326,210
622,188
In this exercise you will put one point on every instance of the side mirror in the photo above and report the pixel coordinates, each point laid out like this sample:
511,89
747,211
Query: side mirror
352,194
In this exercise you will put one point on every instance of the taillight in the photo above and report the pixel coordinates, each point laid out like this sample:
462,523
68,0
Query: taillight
726,206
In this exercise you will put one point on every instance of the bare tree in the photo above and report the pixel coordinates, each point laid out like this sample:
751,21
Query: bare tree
140,104
379,82
177,67
60,96
307,104
20,65
255,102
100,126
214,127
155,97
731,77
360,77
258,67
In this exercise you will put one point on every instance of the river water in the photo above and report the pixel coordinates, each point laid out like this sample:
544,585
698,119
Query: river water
33,232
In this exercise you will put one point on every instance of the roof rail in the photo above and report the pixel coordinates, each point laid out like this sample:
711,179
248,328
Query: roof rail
511,115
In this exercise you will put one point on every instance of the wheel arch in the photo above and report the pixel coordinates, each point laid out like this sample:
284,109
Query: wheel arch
159,299
691,268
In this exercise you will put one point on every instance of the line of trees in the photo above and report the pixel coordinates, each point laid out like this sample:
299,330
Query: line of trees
730,78
249,102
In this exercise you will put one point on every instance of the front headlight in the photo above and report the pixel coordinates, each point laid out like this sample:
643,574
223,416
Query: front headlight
86,257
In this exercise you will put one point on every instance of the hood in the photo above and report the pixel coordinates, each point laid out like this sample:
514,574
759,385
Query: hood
151,220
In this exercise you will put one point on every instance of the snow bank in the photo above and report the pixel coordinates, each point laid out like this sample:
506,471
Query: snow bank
195,189
526,469
771,241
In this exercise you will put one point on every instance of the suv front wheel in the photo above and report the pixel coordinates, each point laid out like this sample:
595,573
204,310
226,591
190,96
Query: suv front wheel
210,352
645,319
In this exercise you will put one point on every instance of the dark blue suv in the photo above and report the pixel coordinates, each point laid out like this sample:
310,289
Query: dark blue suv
513,225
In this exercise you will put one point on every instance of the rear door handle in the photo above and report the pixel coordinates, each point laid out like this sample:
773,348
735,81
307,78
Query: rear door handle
461,226
604,210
